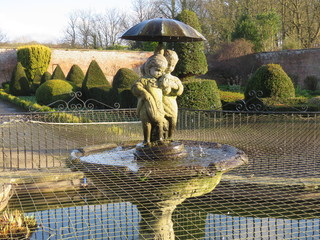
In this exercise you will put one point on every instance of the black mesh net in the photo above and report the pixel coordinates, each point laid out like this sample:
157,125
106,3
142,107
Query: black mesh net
45,174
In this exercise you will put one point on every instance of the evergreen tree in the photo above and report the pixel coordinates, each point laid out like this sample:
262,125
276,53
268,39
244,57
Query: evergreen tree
246,28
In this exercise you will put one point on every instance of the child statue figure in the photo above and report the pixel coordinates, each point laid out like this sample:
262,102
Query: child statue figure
157,91
150,106
172,87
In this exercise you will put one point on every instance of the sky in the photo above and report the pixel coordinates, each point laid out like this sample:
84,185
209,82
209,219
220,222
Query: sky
44,21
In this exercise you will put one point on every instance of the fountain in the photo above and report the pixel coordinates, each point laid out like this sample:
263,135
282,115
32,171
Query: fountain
159,173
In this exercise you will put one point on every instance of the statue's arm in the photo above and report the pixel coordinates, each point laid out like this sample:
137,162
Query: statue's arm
174,84
139,90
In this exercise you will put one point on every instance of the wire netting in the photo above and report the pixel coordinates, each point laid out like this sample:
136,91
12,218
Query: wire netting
275,196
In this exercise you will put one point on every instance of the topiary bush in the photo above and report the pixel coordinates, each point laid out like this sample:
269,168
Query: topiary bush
75,75
272,81
95,85
45,77
19,84
124,78
36,82
54,90
58,73
126,99
312,83
192,60
34,58
200,94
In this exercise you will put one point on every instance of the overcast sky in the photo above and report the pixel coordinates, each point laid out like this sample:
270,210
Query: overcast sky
43,20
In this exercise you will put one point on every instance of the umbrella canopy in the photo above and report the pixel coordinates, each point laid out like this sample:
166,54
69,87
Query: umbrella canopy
163,30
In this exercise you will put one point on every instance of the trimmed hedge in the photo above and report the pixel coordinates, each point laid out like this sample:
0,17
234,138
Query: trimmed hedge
192,59
31,106
200,94
272,81
19,84
228,97
75,75
126,98
58,73
34,58
45,77
124,78
54,90
36,82
95,85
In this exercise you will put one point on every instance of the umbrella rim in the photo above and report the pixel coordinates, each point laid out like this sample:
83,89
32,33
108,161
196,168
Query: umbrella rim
159,37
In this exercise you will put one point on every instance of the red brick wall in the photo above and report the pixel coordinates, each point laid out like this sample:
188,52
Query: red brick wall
109,61
296,63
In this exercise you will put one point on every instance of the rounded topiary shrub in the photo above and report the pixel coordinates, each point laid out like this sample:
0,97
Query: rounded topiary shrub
75,75
19,84
124,78
200,94
54,90
271,81
58,73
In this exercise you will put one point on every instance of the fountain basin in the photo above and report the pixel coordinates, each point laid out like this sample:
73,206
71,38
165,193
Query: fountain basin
158,185
203,159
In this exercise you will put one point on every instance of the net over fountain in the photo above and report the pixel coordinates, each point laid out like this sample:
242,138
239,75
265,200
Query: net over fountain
159,172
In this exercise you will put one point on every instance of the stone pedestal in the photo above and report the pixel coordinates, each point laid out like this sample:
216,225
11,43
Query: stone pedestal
161,151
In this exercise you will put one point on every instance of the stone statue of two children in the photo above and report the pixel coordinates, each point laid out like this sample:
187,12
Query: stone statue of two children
157,91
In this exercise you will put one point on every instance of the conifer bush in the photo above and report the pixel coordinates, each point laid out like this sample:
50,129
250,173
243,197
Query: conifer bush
126,99
36,82
54,90
45,77
95,85
19,84
192,60
124,78
200,94
75,75
58,73
272,81
34,58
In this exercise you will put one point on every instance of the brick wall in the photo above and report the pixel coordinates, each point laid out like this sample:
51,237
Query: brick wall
298,64
8,60
109,61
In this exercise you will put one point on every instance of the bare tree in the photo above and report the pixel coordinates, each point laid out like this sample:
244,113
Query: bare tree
115,22
144,9
84,26
71,30
167,8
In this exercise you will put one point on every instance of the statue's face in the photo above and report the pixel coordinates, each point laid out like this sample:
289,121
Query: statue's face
156,71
